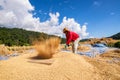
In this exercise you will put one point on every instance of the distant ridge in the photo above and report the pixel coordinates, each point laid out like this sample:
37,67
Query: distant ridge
20,37
116,36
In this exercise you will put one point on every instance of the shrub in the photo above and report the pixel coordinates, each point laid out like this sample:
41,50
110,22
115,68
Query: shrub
110,44
117,44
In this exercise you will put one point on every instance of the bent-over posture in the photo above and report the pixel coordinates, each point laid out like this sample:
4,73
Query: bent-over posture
71,37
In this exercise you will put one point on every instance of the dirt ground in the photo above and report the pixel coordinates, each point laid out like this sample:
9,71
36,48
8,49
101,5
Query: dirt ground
62,66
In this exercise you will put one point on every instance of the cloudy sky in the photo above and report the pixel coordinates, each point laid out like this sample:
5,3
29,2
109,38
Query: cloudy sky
89,18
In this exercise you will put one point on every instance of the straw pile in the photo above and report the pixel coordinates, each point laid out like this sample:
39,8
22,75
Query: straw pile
4,50
83,48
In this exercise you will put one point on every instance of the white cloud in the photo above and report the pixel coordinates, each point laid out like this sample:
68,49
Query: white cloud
16,13
91,37
112,13
96,3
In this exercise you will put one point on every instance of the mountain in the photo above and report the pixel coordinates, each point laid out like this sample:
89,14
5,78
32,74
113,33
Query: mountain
116,36
20,37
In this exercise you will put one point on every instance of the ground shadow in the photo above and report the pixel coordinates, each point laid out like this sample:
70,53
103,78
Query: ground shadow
36,58
39,60
42,62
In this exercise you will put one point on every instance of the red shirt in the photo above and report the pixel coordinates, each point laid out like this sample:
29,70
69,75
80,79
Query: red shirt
71,36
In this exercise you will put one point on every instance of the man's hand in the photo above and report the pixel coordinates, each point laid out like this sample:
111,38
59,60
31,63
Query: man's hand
68,45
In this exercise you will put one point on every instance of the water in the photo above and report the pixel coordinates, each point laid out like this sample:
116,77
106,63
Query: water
95,50
3,57
13,55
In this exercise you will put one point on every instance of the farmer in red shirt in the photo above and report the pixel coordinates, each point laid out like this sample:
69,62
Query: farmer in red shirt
71,37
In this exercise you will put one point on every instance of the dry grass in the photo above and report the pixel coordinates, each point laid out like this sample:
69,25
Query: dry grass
4,50
46,49
112,54
17,48
20,49
83,48
101,40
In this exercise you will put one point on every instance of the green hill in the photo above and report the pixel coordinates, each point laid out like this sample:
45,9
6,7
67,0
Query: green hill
116,36
20,37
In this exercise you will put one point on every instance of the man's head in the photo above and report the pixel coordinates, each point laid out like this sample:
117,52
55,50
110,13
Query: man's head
65,30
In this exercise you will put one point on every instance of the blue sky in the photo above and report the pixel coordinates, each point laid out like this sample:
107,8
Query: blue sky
102,17
89,18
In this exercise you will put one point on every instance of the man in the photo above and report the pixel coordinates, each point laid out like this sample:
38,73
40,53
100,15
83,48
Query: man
71,37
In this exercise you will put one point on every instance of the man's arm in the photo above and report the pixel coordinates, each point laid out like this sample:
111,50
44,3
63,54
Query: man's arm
69,38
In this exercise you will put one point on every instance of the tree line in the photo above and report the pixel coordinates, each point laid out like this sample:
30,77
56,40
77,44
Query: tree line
20,37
